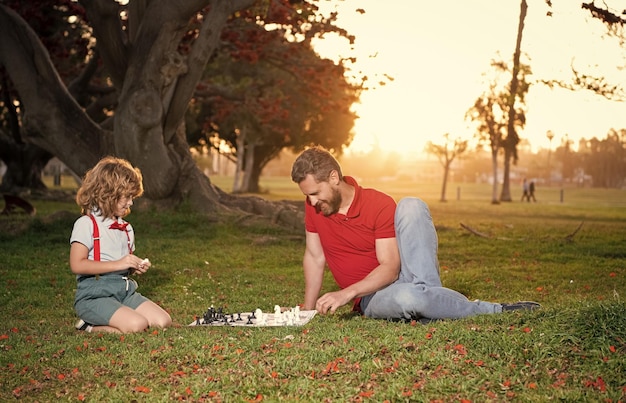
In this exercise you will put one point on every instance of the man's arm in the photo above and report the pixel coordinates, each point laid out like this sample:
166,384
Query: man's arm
386,273
313,264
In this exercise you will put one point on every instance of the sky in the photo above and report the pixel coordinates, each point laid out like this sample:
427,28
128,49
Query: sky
438,51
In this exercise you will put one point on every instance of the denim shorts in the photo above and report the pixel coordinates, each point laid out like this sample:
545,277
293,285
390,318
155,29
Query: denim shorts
99,297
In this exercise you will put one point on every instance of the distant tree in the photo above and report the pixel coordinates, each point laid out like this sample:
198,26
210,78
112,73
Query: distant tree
517,88
446,153
605,160
568,159
491,113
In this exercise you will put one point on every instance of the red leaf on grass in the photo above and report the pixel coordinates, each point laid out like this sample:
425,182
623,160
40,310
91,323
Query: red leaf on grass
367,393
597,384
17,392
142,389
4,336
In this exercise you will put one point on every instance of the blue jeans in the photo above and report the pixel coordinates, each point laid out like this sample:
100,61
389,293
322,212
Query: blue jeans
418,292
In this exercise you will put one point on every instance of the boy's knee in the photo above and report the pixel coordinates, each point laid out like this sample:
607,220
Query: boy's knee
163,322
135,324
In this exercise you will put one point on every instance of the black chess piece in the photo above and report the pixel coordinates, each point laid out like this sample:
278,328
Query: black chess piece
253,317
249,322
239,316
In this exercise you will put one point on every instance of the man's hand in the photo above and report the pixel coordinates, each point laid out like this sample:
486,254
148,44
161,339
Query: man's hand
329,302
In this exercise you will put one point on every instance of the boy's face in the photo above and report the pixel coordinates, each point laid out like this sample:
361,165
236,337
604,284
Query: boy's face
322,195
123,206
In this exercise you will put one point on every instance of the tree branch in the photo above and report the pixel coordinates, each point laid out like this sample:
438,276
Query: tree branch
51,115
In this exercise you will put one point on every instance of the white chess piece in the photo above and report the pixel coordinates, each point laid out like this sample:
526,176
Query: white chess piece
260,318
278,316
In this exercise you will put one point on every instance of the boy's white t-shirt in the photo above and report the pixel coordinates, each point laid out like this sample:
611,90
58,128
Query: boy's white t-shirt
114,244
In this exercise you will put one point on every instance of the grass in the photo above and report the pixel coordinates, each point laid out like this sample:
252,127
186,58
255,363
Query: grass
573,349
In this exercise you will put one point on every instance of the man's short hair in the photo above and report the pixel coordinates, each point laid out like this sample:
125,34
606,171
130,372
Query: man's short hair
316,161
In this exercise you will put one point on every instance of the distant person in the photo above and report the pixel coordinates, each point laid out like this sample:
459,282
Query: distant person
101,254
382,256
525,190
531,191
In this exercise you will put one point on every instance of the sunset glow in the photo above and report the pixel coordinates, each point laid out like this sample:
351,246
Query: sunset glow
436,53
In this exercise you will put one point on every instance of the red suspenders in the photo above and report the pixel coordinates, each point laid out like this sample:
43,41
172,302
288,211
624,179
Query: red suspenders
96,240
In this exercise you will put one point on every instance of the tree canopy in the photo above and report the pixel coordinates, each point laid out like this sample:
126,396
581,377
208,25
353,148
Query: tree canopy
126,89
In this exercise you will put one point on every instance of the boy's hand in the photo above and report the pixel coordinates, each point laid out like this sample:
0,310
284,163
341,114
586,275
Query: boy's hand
142,266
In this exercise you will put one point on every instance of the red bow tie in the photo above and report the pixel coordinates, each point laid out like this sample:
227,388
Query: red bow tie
117,225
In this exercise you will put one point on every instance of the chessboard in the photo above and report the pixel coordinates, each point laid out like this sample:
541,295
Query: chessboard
280,317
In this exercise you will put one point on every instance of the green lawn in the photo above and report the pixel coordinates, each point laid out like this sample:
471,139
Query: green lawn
573,349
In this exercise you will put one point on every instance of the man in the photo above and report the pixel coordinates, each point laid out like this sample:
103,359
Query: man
383,257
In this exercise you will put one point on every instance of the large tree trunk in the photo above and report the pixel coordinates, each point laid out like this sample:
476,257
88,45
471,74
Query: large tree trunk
52,119
155,83
154,93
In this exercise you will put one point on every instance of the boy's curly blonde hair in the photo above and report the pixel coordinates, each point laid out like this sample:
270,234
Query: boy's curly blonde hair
106,183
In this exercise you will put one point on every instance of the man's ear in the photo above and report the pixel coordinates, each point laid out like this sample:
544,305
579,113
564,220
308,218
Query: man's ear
333,178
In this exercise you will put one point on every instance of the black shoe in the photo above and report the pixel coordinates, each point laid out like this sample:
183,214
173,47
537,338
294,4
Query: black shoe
520,306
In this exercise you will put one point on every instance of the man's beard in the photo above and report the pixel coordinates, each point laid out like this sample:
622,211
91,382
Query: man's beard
331,206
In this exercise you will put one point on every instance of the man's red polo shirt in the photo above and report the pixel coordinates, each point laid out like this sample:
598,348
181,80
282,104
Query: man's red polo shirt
349,241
